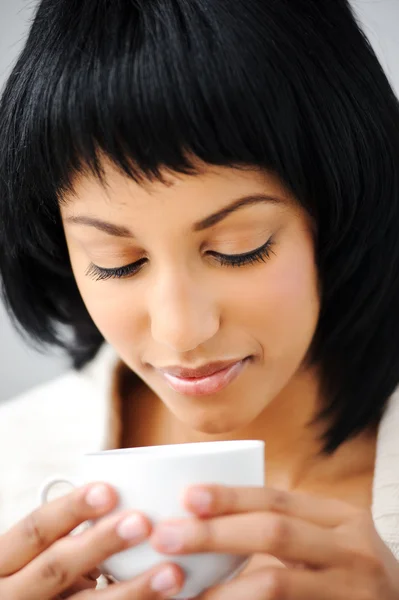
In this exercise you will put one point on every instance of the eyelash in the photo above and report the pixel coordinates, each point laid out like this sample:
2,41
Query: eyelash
233,260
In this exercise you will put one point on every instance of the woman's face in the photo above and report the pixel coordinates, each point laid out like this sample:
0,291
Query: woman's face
213,268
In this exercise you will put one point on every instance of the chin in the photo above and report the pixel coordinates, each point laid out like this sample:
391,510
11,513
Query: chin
215,426
214,429
213,420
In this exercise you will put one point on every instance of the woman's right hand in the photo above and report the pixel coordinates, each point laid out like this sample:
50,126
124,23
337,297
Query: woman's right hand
40,561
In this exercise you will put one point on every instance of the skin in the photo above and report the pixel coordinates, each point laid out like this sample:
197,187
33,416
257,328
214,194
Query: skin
184,308
40,561
330,548
310,533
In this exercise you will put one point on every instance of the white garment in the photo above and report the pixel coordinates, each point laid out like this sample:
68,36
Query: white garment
45,431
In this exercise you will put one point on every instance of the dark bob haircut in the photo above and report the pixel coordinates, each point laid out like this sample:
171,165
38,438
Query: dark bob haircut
291,86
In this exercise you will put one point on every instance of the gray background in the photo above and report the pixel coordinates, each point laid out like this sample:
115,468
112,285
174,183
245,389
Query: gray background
22,367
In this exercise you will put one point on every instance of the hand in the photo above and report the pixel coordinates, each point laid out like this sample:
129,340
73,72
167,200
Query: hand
336,545
40,561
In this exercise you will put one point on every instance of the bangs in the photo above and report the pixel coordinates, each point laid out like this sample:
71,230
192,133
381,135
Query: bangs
150,84
289,86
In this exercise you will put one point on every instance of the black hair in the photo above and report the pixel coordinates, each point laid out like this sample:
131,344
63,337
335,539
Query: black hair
291,86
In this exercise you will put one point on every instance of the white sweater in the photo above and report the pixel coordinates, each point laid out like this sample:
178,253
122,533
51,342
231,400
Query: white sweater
45,431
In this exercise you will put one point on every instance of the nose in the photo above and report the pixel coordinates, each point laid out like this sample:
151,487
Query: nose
183,314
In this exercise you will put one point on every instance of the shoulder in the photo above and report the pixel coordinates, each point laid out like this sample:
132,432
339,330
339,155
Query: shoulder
63,402
42,403
386,476
44,431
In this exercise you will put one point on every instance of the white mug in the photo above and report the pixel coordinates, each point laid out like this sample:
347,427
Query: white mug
152,480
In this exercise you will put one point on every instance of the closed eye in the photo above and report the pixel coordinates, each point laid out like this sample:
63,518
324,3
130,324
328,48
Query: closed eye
238,260
102,274
227,260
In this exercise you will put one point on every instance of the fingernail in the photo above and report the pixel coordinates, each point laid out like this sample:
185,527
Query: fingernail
169,538
199,499
132,528
164,581
98,496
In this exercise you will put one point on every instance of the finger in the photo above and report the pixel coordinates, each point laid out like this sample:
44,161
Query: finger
281,584
81,584
164,581
94,574
40,529
56,569
208,501
285,538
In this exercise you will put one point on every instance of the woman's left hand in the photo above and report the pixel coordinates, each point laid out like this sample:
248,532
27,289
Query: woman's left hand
331,549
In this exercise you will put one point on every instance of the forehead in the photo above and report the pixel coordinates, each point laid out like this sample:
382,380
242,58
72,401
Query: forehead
208,185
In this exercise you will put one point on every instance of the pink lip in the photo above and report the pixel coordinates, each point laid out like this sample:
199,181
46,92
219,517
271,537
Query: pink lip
207,380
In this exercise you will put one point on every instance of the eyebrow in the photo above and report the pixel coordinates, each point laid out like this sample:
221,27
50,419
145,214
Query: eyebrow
124,232
233,207
110,228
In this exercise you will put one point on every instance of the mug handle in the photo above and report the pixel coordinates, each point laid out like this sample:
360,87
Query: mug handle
49,484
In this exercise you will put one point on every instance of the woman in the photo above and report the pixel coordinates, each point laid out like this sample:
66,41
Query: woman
211,187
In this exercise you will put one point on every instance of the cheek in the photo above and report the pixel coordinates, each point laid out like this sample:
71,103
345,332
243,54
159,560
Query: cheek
111,304
293,285
276,303
279,301
115,319
291,300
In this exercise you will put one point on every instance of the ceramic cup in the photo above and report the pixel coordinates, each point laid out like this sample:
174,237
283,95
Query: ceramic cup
152,480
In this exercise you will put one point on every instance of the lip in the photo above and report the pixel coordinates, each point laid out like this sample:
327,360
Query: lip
205,380
199,372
